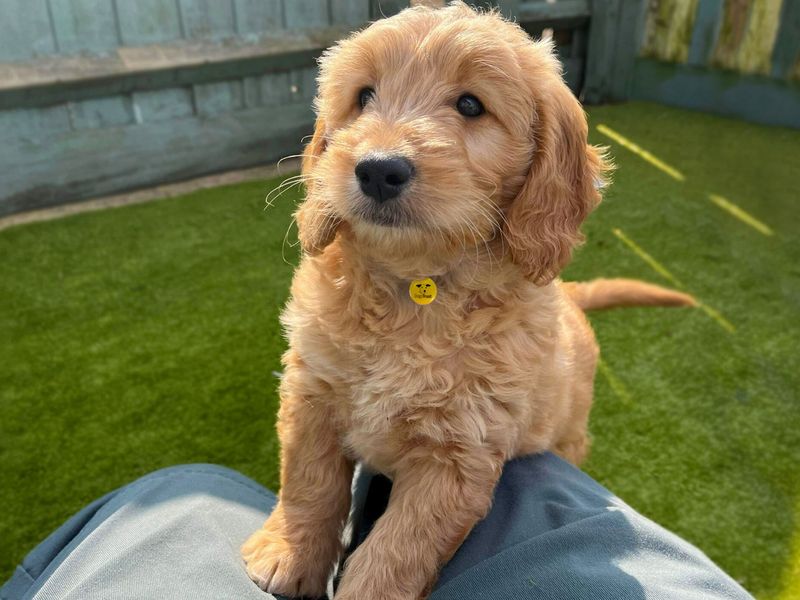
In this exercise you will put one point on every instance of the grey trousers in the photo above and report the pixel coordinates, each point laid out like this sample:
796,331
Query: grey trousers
553,533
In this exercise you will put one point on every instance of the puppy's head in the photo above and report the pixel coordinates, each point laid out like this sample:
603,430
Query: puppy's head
442,129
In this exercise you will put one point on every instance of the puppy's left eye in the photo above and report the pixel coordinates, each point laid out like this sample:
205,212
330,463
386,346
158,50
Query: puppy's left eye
364,96
469,106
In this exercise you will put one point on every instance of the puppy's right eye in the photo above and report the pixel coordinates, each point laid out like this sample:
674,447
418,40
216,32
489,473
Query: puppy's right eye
364,96
469,106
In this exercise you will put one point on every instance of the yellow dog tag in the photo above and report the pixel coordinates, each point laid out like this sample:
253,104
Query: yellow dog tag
422,291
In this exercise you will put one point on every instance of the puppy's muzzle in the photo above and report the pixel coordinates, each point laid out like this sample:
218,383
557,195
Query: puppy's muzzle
383,177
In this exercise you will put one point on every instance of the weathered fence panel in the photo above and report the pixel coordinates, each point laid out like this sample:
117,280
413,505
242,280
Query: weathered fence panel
734,57
118,158
257,17
84,26
344,12
307,14
28,33
148,22
615,30
42,28
100,96
207,19
707,22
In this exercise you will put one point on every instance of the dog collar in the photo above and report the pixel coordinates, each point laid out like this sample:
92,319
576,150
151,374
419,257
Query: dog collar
422,291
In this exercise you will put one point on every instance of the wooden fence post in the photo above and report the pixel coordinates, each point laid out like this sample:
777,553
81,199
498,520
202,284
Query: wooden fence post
786,53
615,34
602,50
707,22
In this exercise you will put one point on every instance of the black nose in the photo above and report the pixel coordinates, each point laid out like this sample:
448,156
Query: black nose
383,177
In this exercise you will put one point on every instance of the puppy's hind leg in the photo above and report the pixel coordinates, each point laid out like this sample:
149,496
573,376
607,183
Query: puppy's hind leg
574,449
294,552
573,442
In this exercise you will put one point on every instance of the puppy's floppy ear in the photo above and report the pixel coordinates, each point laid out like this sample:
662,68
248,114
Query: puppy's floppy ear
561,188
316,221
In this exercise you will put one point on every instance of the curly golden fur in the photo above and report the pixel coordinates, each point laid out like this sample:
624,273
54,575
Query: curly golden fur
437,397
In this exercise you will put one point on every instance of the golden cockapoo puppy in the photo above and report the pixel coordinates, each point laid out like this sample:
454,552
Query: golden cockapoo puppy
448,148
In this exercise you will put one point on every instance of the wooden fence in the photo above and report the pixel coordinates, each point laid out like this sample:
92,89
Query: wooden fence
103,96
734,57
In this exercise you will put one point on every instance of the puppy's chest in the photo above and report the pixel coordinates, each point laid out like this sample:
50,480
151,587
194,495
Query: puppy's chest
418,386
386,378
396,395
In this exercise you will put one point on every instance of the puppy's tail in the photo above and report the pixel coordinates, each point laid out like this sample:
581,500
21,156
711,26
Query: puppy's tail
612,293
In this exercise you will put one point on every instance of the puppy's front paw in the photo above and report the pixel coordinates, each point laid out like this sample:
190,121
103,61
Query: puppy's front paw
279,568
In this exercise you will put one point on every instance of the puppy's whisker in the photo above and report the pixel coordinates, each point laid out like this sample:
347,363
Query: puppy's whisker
280,162
496,210
490,182
494,215
285,239
269,202
274,193
285,185
330,217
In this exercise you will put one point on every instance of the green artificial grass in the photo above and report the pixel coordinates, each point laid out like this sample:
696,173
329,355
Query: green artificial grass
146,336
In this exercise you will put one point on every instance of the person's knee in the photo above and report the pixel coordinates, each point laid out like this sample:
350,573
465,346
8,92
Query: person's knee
197,480
190,470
